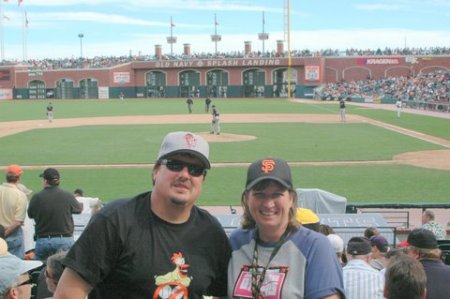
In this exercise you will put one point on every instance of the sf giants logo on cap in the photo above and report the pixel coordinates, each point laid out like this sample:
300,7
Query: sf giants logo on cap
190,140
267,166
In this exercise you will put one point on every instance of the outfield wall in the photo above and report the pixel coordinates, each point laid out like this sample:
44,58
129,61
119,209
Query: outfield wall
234,77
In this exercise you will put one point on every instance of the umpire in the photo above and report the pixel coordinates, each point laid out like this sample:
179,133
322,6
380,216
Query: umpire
52,210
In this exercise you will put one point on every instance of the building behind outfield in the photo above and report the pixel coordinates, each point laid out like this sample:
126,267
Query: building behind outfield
225,77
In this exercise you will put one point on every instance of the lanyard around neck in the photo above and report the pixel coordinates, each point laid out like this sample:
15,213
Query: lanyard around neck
257,283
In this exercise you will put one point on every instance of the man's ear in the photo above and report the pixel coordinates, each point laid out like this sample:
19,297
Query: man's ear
154,170
12,294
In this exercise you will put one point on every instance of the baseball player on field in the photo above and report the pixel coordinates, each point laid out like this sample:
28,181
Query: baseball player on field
50,112
215,122
342,110
189,103
398,105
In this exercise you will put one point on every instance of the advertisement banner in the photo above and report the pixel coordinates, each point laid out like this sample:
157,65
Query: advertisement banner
103,92
312,73
368,61
6,94
121,77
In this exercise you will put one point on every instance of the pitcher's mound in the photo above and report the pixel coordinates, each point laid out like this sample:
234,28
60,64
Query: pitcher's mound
225,137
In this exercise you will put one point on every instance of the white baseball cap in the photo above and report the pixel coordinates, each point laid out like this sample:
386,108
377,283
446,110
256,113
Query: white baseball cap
11,267
336,242
185,142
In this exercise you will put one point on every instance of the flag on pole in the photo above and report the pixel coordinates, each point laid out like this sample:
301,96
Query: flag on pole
172,24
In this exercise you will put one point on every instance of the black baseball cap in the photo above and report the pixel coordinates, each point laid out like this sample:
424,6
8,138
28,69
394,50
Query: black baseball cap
269,169
359,246
422,238
50,174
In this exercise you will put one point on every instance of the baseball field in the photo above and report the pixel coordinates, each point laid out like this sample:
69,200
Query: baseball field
107,147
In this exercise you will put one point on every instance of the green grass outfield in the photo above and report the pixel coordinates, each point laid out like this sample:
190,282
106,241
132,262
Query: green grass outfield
299,142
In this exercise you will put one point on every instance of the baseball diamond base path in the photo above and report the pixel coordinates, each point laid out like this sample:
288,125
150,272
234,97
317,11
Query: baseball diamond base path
438,159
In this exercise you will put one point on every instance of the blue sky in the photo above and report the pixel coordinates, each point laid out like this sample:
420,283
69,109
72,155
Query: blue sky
115,28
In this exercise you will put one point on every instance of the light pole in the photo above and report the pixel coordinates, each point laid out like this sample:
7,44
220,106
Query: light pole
81,35
216,37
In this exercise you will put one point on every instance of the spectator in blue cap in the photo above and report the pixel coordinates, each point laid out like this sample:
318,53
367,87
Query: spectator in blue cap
380,247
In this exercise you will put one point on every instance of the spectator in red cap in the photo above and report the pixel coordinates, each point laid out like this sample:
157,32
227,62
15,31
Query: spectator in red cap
13,208
423,246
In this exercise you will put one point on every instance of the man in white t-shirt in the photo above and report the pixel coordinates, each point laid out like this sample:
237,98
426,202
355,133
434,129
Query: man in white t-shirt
90,204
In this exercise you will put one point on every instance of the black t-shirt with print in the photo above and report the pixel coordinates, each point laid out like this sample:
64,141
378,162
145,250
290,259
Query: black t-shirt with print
126,251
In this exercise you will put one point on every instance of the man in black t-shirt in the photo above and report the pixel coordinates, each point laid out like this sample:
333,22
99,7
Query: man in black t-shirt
52,210
157,244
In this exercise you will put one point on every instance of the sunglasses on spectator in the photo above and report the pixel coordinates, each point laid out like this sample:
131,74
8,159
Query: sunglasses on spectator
177,166
28,281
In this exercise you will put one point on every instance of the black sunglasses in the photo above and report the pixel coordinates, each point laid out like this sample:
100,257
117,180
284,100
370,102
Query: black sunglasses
28,281
177,166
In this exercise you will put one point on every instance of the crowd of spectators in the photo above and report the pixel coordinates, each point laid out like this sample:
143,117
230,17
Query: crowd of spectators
422,87
108,61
